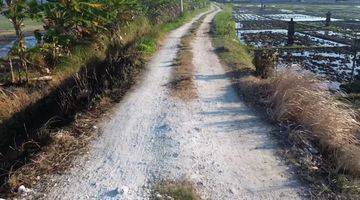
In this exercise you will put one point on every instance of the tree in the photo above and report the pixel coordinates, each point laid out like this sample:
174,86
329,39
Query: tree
16,11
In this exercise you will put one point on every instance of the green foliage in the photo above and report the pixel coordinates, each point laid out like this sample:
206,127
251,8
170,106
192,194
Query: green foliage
225,25
147,45
16,12
69,23
15,9
228,47
160,11
195,4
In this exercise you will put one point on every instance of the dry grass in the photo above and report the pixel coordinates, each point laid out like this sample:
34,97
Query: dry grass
183,86
175,190
291,98
65,144
320,133
12,101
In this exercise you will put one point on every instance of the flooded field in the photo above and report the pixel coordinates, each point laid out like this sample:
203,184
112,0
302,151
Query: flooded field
278,38
317,48
247,17
333,65
297,17
331,35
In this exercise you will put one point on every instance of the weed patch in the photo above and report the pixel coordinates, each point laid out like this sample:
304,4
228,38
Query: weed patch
182,84
175,190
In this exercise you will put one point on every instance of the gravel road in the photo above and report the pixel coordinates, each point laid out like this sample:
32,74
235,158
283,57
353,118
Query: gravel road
215,141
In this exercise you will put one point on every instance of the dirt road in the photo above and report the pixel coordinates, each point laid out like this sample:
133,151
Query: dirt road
215,141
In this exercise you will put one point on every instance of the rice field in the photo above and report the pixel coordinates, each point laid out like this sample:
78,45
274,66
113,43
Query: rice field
324,50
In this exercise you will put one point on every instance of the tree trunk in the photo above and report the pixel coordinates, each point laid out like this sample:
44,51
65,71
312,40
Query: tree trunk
22,46
12,72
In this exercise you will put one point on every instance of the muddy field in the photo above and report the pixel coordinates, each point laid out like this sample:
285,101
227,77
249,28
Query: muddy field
322,50
334,65
344,38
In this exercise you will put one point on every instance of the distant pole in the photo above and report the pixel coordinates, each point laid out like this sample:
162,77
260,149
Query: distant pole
291,32
182,6
356,48
328,19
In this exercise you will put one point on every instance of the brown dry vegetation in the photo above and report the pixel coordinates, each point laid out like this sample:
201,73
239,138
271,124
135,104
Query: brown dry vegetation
299,105
13,100
294,98
81,96
65,144
182,83
182,190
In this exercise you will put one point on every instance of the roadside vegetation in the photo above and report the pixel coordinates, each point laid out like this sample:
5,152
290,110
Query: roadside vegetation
175,190
182,83
231,52
86,58
7,33
320,134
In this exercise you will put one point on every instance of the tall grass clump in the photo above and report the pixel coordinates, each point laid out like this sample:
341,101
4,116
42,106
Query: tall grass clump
301,99
292,98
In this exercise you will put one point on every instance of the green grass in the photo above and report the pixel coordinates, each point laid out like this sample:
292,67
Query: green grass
141,32
226,43
145,36
176,191
148,44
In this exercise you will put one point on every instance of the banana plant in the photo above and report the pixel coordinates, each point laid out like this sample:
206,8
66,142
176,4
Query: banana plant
16,12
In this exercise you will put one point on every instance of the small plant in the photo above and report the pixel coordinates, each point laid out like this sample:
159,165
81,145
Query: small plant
265,62
16,12
175,190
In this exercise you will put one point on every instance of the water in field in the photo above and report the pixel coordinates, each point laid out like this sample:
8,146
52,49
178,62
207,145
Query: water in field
30,42
267,28
333,65
297,17
278,38
248,17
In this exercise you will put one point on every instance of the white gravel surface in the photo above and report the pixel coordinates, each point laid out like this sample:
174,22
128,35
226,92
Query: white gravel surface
215,141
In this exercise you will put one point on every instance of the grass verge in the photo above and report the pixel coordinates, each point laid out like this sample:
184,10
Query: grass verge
320,135
182,83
